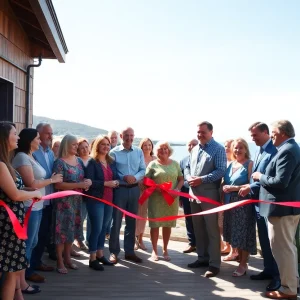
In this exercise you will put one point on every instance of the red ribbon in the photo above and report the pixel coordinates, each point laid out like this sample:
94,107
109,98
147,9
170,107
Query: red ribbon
21,231
164,188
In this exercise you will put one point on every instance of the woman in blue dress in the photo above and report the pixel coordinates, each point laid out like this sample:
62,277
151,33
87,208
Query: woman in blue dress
239,223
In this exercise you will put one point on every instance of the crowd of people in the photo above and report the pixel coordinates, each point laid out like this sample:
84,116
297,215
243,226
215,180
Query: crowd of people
33,164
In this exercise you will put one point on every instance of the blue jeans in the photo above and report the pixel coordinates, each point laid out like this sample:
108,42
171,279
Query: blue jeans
99,215
46,231
128,200
33,234
84,215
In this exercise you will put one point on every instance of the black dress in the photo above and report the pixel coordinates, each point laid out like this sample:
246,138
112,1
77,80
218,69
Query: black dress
12,249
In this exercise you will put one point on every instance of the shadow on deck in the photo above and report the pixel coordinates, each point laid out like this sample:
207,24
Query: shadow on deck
151,280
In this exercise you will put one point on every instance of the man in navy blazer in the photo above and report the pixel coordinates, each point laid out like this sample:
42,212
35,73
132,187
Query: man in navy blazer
281,183
45,158
260,135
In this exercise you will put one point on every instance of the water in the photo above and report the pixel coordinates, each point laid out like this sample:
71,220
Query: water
180,151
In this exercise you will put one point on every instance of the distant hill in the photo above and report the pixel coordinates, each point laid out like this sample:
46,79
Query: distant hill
62,127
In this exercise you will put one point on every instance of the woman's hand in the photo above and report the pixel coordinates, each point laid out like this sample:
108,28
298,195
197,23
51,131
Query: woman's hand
87,184
37,194
112,183
56,178
229,188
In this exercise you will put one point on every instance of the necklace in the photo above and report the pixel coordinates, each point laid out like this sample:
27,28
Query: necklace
103,162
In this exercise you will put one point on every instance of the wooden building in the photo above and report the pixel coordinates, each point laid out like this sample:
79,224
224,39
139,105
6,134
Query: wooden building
29,33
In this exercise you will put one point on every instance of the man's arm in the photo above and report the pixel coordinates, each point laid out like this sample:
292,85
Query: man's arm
187,170
142,168
220,167
285,166
113,155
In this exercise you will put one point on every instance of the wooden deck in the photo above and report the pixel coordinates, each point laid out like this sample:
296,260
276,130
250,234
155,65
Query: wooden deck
151,280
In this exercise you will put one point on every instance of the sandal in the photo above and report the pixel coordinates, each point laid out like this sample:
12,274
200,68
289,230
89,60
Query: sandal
167,257
232,257
143,247
154,258
239,274
62,270
82,246
72,266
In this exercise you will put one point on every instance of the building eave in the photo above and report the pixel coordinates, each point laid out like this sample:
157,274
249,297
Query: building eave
45,14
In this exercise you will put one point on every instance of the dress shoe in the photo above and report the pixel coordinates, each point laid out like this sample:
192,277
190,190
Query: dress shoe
198,264
261,276
104,261
44,268
280,295
133,257
31,289
36,278
189,249
95,265
52,256
274,285
212,272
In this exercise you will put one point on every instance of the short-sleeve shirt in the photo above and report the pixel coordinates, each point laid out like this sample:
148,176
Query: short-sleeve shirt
39,173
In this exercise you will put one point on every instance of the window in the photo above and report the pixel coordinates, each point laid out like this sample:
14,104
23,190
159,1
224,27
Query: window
6,100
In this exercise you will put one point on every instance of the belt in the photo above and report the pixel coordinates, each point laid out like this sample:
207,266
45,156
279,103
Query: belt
128,186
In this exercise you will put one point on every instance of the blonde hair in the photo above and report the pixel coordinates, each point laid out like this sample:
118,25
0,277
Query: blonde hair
230,141
55,140
95,148
159,144
65,144
244,143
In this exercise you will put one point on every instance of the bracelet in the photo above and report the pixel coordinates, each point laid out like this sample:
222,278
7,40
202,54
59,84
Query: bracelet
51,180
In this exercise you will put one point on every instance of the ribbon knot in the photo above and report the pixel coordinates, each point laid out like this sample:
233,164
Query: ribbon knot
151,185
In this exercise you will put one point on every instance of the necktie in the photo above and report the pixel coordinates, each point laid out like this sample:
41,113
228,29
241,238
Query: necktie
261,150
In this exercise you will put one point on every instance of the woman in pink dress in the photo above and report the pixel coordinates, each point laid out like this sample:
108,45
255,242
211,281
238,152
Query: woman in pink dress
147,146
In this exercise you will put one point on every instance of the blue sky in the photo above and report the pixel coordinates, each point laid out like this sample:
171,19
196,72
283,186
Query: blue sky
161,66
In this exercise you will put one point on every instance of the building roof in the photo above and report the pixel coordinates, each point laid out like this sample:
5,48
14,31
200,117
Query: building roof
40,23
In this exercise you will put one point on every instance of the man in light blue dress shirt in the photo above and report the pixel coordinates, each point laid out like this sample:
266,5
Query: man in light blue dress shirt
131,168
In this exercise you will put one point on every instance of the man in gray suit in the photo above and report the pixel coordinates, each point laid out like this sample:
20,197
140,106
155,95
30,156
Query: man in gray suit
204,173
281,183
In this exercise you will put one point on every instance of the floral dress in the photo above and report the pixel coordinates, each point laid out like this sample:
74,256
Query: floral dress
67,210
12,249
239,228
157,205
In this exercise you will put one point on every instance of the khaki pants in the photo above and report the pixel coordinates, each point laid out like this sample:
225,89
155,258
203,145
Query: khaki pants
282,231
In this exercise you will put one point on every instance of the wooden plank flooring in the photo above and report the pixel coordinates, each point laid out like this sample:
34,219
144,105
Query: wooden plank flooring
151,280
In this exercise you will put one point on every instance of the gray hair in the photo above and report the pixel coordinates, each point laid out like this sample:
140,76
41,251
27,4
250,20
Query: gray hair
285,127
64,145
41,125
159,144
110,133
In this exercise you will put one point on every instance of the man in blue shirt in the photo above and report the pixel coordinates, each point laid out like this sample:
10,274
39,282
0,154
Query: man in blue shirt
131,168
